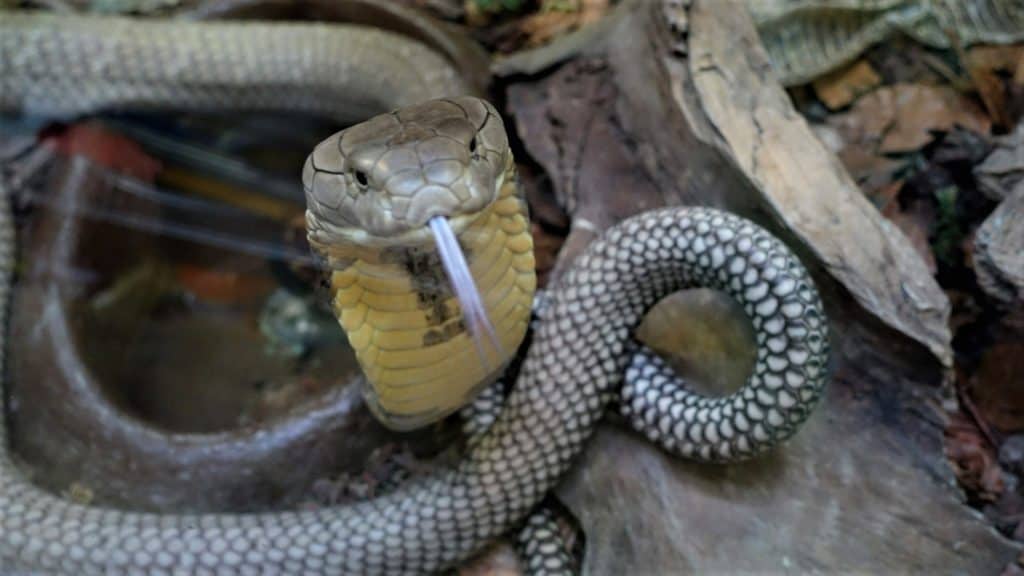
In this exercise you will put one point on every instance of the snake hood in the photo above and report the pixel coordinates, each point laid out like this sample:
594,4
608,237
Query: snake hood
380,182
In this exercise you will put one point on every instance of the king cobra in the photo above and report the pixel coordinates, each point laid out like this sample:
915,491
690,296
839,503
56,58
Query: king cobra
445,158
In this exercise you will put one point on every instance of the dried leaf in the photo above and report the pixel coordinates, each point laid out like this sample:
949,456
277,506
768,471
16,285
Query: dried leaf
997,388
874,173
914,222
917,111
559,18
842,87
885,198
974,460
915,231
902,117
540,28
987,66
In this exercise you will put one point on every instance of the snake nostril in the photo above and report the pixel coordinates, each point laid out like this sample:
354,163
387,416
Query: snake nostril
361,178
472,145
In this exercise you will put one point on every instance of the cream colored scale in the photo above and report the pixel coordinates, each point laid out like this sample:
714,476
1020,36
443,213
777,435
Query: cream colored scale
406,326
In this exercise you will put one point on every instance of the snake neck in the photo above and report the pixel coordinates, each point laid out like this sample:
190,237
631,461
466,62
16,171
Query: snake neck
405,324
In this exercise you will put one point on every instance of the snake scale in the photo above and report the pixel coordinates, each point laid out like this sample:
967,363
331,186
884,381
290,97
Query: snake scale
808,38
582,357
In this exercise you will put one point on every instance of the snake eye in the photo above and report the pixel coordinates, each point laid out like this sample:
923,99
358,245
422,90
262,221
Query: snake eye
361,178
472,145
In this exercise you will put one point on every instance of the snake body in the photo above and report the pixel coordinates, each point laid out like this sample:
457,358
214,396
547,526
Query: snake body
808,38
574,368
59,66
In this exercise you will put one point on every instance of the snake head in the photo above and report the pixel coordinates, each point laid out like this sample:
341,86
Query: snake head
380,182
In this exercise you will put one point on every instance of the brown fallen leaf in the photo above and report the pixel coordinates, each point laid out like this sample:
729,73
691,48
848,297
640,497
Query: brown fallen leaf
914,222
886,198
558,17
974,461
997,388
840,88
902,117
987,66
554,18
919,110
874,173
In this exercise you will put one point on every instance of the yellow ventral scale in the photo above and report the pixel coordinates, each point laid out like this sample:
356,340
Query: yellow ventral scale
407,328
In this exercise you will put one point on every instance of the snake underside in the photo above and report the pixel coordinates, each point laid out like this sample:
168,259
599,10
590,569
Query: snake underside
406,325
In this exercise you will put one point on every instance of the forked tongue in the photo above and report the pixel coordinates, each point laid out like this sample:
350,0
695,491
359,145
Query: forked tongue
473,312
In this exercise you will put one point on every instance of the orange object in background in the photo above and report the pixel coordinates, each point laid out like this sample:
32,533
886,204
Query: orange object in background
222,286
105,148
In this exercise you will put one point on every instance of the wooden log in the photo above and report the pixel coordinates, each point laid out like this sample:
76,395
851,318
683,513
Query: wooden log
999,253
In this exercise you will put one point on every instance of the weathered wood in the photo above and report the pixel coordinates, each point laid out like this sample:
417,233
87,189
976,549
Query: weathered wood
999,252
684,110
1003,169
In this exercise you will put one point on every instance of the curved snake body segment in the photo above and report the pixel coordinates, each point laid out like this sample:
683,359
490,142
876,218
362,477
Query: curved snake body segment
541,545
56,65
573,369
808,38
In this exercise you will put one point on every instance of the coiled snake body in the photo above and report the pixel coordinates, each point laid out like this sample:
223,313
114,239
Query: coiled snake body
580,354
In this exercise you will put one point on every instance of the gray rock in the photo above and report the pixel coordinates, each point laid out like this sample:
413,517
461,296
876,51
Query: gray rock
999,251
1011,453
1003,169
